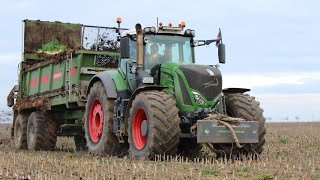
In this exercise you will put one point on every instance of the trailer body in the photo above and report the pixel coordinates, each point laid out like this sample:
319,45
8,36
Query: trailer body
58,62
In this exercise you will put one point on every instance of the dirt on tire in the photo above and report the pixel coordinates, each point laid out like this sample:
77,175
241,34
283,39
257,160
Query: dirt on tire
41,132
246,107
20,131
162,123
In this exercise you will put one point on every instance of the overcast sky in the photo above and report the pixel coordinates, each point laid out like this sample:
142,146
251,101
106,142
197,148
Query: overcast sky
272,46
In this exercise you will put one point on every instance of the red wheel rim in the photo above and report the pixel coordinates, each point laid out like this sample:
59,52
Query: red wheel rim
95,120
139,140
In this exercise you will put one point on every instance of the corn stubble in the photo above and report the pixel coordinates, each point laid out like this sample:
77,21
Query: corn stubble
292,151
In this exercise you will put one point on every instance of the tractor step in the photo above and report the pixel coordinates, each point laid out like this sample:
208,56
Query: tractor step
211,131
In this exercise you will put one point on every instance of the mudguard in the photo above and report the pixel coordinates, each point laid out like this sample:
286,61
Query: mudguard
107,80
140,89
235,90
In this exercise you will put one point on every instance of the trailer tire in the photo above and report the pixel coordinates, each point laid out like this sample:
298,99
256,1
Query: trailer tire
41,132
243,106
99,121
80,143
20,131
153,125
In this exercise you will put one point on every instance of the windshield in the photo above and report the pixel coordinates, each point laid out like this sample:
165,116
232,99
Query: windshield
160,48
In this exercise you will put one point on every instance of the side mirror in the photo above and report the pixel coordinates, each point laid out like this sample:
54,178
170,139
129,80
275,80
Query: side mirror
222,53
124,48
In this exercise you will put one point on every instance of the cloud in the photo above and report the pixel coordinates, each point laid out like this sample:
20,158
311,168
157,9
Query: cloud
250,80
280,106
312,98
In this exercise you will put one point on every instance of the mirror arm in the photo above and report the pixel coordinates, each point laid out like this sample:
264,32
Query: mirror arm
207,42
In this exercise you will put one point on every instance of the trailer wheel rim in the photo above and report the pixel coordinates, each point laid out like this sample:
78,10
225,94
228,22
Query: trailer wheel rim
95,120
139,138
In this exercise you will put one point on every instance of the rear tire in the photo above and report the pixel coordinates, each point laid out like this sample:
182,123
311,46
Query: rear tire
243,106
98,123
153,125
41,132
20,131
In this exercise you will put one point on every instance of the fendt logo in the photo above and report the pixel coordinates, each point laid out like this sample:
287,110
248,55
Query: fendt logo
213,83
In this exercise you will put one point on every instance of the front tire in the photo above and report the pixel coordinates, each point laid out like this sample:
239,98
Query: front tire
98,124
153,125
243,106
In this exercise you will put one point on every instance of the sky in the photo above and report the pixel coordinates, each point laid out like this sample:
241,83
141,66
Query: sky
272,47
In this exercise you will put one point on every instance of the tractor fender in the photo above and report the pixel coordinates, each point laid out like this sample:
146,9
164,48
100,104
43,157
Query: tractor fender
134,94
107,82
235,90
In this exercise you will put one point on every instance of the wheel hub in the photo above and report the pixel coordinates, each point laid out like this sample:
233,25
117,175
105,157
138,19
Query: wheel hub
144,128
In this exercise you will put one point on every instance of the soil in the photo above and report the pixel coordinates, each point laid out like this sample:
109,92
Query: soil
5,136
292,151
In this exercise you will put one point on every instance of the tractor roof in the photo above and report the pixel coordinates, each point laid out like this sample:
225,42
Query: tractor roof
161,30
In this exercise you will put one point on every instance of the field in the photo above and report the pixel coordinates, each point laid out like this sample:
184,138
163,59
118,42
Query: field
292,151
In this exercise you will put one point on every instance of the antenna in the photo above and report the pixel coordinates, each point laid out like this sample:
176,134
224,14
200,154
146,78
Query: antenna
157,23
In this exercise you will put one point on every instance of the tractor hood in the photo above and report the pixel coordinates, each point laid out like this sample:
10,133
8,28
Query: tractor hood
205,79
194,86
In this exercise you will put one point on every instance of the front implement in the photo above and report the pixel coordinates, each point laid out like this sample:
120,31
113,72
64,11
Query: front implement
216,131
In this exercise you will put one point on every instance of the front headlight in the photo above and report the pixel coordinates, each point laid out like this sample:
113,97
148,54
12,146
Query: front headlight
198,98
193,33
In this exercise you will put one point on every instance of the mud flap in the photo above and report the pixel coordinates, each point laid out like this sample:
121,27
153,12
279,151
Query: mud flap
211,131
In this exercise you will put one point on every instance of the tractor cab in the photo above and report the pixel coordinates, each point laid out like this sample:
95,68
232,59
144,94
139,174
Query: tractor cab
161,44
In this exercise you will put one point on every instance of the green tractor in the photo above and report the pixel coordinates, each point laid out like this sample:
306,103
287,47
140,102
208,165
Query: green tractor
160,102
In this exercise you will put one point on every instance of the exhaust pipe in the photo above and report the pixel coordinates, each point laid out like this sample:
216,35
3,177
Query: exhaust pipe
139,46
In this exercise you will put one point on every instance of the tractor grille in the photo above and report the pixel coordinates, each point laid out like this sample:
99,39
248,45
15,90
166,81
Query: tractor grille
206,79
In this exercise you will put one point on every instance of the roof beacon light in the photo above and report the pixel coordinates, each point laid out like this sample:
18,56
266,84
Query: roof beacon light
170,24
160,24
118,20
183,24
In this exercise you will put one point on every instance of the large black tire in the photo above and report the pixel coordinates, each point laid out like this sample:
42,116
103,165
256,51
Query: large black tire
189,148
153,125
80,143
98,123
20,131
41,132
243,106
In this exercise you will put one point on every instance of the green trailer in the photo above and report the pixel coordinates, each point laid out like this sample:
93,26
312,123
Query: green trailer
138,91
59,60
